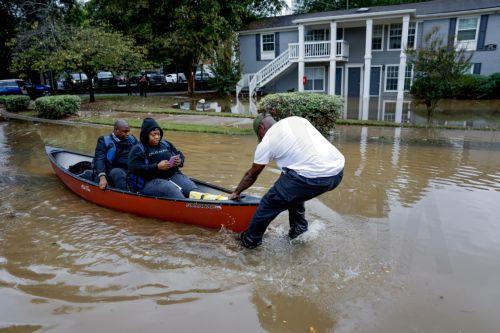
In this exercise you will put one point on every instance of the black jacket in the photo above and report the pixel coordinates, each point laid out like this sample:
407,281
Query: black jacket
143,159
120,160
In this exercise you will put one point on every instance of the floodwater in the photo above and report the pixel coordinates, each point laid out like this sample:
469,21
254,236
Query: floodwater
410,242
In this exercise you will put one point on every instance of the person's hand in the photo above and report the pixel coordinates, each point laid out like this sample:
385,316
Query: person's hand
234,196
103,183
177,160
164,165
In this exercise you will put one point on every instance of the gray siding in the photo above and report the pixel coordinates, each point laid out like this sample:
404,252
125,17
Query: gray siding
443,26
248,55
356,39
490,60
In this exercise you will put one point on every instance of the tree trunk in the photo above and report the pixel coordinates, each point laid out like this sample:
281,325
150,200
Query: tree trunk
190,80
91,88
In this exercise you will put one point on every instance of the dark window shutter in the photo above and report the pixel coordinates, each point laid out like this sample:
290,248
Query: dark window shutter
276,44
375,81
482,32
451,33
257,46
477,68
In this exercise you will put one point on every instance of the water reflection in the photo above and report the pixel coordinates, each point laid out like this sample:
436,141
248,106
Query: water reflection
220,105
67,262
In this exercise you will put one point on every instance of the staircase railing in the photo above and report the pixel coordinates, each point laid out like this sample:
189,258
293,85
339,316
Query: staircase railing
269,72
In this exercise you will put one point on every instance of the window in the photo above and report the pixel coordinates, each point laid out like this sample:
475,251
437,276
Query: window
412,29
466,34
267,46
408,78
378,38
315,79
340,33
317,35
391,77
395,33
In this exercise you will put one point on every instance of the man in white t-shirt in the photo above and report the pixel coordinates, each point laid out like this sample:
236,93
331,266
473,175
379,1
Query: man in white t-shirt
310,166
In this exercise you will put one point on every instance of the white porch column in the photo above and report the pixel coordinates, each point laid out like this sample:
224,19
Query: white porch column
402,70
301,58
333,58
368,67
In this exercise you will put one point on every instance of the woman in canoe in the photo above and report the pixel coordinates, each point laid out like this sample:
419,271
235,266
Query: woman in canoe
154,165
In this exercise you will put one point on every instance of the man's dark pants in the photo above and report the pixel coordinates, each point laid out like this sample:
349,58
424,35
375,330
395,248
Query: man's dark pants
290,192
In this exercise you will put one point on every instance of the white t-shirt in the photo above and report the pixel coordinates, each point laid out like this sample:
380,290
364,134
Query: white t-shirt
294,143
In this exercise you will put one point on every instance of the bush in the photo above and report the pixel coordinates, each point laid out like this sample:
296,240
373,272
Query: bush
15,103
495,78
57,107
473,87
321,110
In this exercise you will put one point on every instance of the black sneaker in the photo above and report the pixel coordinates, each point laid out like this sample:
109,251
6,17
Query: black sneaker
295,233
248,242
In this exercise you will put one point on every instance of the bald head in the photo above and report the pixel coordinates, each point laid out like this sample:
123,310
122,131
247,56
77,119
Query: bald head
121,129
265,124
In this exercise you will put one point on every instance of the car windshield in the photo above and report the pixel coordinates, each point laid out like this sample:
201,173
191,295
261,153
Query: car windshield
76,76
8,84
104,75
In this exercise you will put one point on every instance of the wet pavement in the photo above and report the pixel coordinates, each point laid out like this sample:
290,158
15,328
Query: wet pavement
409,242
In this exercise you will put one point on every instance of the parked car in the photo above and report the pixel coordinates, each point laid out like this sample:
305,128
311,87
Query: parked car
172,78
21,87
204,75
105,80
155,78
72,81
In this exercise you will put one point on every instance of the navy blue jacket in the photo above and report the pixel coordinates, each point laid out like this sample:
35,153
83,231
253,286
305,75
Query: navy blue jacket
120,160
143,159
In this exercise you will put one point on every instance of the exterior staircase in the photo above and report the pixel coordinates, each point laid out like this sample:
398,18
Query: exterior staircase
264,75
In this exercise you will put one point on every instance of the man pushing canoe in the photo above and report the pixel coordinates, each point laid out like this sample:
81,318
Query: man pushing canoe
310,166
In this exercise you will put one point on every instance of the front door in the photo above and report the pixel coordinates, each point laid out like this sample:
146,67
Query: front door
353,92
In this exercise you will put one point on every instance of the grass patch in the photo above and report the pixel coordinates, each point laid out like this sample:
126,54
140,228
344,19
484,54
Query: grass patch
136,123
153,104
355,122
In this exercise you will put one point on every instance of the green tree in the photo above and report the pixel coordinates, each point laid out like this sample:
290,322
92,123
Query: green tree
437,67
184,32
310,6
226,65
83,49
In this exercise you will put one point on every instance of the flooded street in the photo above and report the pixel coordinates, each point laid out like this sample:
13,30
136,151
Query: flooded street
409,242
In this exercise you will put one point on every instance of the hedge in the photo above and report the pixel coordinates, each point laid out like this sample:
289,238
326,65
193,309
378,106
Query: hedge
57,107
476,87
321,110
15,103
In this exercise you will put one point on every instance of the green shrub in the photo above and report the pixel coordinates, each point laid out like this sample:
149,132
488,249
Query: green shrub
321,110
473,87
495,79
57,107
15,103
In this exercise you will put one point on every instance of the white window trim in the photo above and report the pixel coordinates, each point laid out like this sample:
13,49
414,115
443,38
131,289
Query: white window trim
385,76
380,82
326,31
389,38
267,55
416,34
471,45
324,78
395,102
383,37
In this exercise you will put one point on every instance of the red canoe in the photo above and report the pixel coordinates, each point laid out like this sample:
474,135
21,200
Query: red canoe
233,215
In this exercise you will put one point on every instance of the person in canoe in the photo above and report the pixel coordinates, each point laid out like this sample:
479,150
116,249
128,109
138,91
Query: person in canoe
310,166
154,165
111,156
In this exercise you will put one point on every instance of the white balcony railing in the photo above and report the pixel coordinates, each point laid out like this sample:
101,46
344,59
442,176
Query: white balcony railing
320,50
